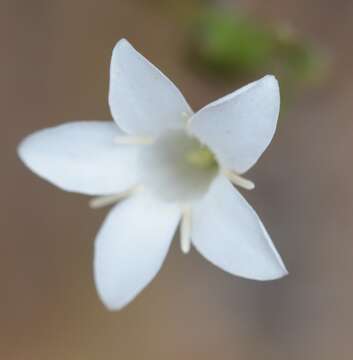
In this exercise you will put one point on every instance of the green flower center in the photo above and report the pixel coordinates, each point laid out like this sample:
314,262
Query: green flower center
201,157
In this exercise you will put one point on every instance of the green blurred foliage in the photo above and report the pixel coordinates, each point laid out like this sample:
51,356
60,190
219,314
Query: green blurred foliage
298,59
225,43
236,46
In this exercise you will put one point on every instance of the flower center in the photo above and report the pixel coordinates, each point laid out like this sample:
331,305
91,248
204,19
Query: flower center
201,157
177,167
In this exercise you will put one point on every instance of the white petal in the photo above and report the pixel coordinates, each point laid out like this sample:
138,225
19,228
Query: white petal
131,246
142,100
240,126
227,231
81,157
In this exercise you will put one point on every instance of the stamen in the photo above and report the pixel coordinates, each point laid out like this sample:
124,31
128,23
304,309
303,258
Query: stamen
238,180
101,201
133,140
185,231
187,117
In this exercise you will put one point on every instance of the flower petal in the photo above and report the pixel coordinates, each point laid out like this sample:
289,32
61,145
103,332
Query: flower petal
142,100
81,157
131,246
227,231
240,126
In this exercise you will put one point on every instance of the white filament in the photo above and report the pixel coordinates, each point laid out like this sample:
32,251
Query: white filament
238,180
133,140
107,200
185,231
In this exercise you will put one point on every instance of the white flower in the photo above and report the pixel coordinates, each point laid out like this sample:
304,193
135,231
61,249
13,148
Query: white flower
174,166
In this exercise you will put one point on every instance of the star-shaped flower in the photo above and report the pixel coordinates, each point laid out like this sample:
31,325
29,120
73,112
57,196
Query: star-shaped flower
173,166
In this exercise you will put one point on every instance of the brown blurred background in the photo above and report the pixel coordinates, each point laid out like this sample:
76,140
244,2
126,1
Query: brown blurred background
54,68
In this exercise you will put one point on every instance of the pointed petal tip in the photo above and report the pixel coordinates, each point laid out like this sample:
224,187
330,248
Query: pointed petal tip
285,272
121,43
108,303
121,47
107,298
24,150
271,80
270,77
25,147
281,274
277,274
111,305
20,149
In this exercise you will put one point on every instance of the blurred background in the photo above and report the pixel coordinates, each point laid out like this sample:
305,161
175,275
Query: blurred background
54,67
